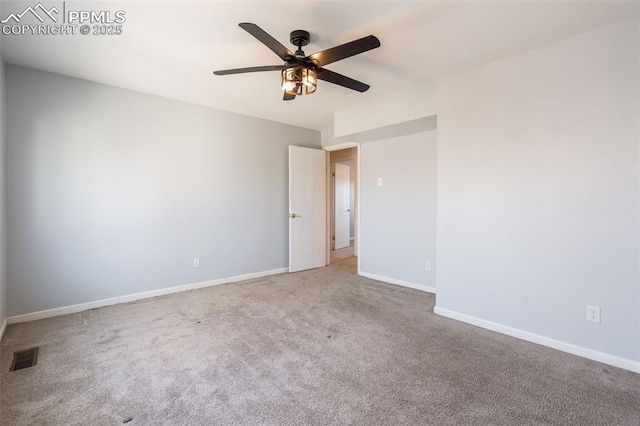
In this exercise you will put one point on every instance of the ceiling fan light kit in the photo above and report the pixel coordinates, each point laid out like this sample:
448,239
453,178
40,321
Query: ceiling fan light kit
300,73
299,81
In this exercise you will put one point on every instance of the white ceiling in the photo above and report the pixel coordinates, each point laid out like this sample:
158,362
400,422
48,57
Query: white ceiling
170,48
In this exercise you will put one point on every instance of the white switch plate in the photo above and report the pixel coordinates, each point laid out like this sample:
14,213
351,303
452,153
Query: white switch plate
593,313
427,266
379,181
196,262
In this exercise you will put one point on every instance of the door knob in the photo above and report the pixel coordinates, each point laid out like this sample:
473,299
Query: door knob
348,210
293,215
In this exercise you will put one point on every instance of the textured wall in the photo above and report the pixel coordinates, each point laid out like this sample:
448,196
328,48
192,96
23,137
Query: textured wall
538,188
538,191
398,219
113,192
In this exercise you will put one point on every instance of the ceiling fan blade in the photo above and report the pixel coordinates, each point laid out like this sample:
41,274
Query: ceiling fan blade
267,40
344,50
288,97
250,69
341,80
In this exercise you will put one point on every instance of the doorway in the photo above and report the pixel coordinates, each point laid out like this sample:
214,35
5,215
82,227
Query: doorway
312,214
342,203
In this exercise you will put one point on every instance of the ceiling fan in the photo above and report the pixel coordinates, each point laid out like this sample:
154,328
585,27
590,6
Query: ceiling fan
300,73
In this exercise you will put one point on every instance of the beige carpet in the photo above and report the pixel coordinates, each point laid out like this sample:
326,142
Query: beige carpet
341,254
318,347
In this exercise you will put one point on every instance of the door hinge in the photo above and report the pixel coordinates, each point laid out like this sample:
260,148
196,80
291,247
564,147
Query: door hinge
333,238
333,174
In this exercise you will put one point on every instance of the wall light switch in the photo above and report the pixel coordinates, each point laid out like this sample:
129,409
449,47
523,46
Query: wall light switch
379,181
196,262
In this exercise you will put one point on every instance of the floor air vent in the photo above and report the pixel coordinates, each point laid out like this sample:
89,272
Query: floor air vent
24,359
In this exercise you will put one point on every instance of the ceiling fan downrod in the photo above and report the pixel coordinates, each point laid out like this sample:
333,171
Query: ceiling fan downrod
300,38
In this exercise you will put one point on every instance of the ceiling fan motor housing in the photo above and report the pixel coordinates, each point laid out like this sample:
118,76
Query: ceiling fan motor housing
300,38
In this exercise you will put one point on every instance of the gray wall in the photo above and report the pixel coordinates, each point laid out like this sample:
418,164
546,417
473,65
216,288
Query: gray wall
113,192
538,187
398,219
3,197
538,208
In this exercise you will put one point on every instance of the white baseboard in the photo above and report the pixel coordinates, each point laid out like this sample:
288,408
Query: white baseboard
3,327
613,360
398,282
33,316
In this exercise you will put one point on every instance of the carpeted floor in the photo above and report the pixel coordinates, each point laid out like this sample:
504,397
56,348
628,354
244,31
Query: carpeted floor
342,254
317,347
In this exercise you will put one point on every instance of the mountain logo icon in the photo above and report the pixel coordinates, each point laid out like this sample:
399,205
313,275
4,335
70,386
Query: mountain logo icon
33,11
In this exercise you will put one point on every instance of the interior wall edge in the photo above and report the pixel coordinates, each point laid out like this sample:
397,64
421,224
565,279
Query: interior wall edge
3,327
425,123
605,358
72,309
425,288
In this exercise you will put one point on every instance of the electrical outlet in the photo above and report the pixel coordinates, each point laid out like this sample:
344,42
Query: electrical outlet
593,313
379,181
196,262
427,266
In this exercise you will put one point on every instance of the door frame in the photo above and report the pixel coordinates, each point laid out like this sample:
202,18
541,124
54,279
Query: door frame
356,219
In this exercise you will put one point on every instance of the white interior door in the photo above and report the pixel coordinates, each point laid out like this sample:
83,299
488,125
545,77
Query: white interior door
342,205
307,208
